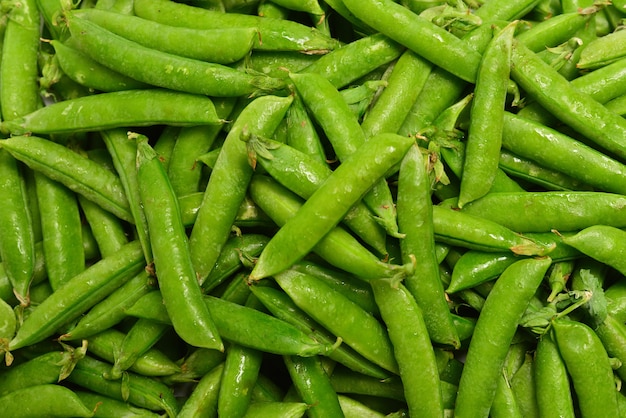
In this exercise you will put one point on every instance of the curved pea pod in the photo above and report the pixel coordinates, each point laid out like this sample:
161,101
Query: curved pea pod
616,298
547,211
348,382
43,401
493,334
330,202
339,248
271,409
140,391
271,31
82,175
478,233
105,406
47,368
602,243
222,46
117,109
612,333
8,323
204,397
603,50
356,327
78,294
589,367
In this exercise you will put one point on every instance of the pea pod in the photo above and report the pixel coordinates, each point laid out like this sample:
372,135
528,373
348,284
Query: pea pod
203,399
588,365
43,400
105,406
602,243
553,385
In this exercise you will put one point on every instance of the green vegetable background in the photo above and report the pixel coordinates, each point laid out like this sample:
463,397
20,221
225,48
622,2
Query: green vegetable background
313,208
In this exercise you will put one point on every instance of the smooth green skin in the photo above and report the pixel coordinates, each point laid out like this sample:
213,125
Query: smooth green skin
589,368
107,344
357,328
109,407
355,409
8,321
528,170
79,174
576,109
479,233
89,73
345,65
141,337
484,138
123,152
221,46
195,365
43,400
302,38
617,105
19,92
61,229
248,214
415,220
612,333
241,370
314,386
554,395
231,259
504,10
175,271
523,386
111,110
418,34
330,203
348,382
303,175
229,181
407,78
204,398
308,6
79,294
602,243
301,132
140,391
603,51
339,248
504,402
17,245
271,409
183,170
547,211
554,31
107,229
562,153
494,333
616,297
282,307
167,70
345,135
412,348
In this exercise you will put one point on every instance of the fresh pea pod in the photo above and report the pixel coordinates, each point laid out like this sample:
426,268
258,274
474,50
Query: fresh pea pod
494,332
204,397
330,203
79,174
111,110
603,51
43,401
588,365
105,406
602,243
271,409
612,333
175,272
78,294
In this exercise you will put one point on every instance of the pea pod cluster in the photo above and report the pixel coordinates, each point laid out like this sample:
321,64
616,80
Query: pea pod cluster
312,208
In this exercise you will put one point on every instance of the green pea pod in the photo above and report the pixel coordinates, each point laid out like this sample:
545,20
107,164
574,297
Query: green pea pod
43,400
203,399
229,181
79,174
222,46
109,232
176,275
348,382
494,332
47,368
547,211
602,243
330,203
314,386
8,322
412,348
153,362
271,30
109,407
356,327
195,365
588,365
523,386
603,51
271,409
415,219
616,298
140,391
79,294
612,333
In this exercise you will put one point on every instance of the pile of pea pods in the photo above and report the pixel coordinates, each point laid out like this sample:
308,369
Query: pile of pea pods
320,208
